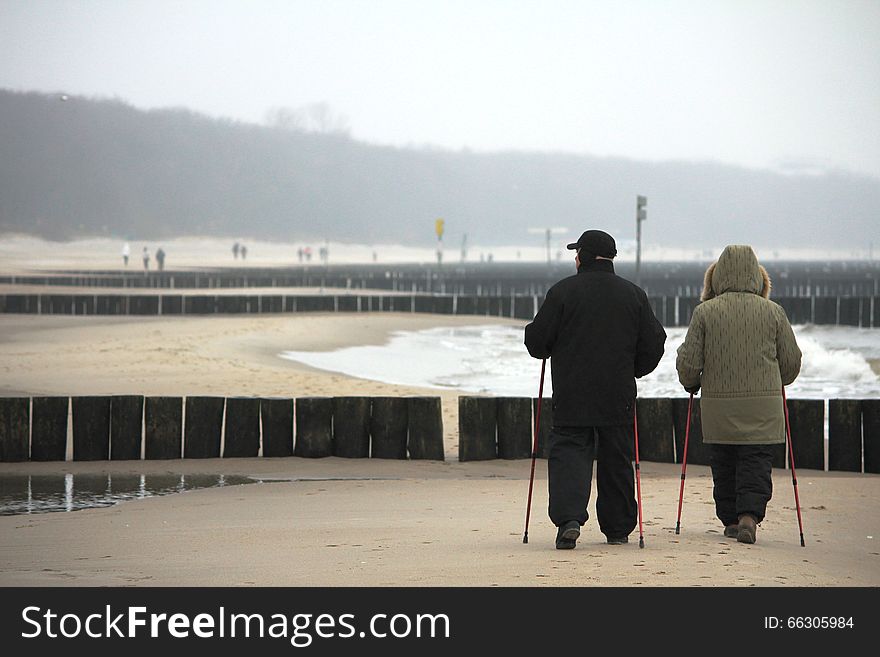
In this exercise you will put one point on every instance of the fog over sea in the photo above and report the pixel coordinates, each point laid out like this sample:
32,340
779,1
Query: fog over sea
492,359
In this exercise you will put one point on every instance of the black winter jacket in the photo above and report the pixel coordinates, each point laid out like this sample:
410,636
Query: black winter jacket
600,333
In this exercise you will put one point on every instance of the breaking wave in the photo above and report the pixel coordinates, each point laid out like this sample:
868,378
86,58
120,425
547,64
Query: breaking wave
491,359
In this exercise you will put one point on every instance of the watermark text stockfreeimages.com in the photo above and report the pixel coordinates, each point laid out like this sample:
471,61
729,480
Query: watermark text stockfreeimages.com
300,629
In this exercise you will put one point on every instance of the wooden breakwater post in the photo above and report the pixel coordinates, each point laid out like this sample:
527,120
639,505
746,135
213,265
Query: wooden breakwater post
544,427
163,427
314,427
389,421
514,427
477,422
844,435
15,428
242,436
203,427
49,428
697,450
276,417
425,428
351,427
91,428
656,432
871,434
126,427
807,426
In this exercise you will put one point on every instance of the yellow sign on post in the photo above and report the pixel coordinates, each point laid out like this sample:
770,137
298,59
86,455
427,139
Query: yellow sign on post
438,226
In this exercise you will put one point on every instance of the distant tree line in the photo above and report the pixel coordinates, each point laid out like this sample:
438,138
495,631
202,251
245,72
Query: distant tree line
85,167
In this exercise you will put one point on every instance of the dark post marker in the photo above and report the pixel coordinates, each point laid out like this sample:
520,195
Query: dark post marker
698,452
545,426
388,424
126,427
351,427
242,436
844,435
477,421
515,427
163,424
425,431
202,428
49,428
276,415
656,440
314,427
871,434
15,428
91,428
807,423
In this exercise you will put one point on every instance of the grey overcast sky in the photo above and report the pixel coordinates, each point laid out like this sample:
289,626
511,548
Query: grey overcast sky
789,85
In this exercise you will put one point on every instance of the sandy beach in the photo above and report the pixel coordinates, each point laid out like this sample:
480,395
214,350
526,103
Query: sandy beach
338,522
332,522
225,356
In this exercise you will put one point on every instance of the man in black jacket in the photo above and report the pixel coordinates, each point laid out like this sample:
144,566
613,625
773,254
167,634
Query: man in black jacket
600,333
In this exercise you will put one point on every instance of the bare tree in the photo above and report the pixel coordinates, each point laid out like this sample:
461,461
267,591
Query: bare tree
313,117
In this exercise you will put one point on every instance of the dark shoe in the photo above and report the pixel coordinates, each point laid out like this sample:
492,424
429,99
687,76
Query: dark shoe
731,531
618,540
568,534
748,528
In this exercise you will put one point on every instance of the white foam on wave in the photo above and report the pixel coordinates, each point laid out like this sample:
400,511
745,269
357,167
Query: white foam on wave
492,359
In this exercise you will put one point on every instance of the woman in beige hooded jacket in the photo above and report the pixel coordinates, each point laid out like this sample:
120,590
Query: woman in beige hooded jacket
741,351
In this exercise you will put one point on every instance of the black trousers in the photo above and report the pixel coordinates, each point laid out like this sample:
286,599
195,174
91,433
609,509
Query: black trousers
743,484
570,472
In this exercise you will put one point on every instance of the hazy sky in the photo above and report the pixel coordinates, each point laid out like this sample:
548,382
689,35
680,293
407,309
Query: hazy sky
790,85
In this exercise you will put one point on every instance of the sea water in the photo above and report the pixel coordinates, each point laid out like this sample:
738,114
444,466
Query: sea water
491,359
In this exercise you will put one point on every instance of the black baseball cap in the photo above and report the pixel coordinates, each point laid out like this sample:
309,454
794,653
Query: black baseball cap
597,242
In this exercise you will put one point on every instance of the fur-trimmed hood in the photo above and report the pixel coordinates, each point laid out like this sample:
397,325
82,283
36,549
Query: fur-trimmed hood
737,270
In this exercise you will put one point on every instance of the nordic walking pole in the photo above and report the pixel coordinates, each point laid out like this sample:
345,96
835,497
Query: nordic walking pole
797,501
684,460
638,476
535,449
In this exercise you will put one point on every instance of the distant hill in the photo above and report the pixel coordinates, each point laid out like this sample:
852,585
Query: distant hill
79,167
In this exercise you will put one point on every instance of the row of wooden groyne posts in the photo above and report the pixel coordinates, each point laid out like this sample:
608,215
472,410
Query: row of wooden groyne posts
685,279
670,310
134,427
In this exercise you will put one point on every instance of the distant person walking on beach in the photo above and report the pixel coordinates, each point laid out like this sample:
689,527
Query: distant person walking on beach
126,251
740,350
146,257
600,333
235,248
160,259
243,250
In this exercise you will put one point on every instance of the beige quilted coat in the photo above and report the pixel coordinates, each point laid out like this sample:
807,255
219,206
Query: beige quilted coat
740,350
